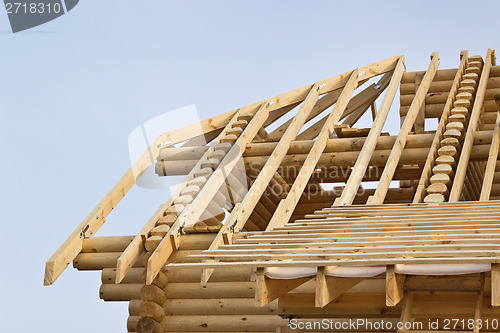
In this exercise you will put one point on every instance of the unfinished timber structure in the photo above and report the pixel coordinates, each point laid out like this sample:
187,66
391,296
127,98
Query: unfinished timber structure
276,221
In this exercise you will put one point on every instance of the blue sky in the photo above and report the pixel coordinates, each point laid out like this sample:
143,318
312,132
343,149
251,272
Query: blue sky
73,89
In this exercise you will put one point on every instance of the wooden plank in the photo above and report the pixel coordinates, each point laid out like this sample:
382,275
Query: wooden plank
352,262
359,169
267,290
459,179
420,119
394,286
337,255
328,288
393,160
286,206
489,173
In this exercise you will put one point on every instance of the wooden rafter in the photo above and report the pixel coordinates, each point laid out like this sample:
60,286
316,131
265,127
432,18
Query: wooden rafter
366,153
393,160
286,206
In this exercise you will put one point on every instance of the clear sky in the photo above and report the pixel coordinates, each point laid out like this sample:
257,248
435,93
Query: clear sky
73,89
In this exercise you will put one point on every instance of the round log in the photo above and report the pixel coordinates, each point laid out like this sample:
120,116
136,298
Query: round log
431,110
435,86
98,261
465,89
464,95
211,163
246,117
475,61
152,243
471,76
469,83
133,307
106,244
204,172
180,153
235,131
149,325
241,323
460,111
461,103
195,242
160,230
220,306
450,142
181,256
160,280
193,275
224,146
434,198
174,210
210,290
240,123
153,293
120,292
445,159
145,258
217,154
455,126
457,118
152,310
184,200
212,221
132,323
192,190
447,151
440,178
438,188
167,220
452,133
443,169
229,138
197,181
430,98
441,75
134,275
